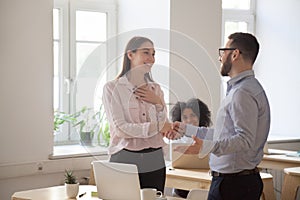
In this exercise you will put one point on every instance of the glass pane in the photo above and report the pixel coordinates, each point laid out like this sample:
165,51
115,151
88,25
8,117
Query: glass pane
90,26
56,76
231,27
83,50
56,13
236,4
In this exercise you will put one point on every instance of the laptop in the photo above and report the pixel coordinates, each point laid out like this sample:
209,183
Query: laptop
116,181
186,161
269,151
289,153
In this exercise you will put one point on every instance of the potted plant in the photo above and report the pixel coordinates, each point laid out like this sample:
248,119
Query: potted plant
103,133
86,120
88,123
60,118
71,184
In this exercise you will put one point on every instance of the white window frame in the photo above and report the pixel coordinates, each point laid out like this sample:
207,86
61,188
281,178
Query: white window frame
67,58
240,15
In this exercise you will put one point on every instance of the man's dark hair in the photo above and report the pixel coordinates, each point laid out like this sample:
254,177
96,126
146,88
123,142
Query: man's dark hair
246,43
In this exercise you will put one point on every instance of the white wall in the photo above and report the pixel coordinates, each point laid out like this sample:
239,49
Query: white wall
26,80
278,68
26,118
195,39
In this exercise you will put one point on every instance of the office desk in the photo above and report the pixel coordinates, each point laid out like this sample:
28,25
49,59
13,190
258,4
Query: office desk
279,162
59,193
188,179
53,193
291,183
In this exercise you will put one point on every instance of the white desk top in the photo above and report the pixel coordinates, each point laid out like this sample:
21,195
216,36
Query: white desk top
58,193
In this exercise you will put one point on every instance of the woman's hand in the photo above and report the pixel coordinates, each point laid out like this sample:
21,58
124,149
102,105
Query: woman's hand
148,95
166,128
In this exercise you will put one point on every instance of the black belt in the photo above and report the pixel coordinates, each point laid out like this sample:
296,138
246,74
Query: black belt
241,173
148,150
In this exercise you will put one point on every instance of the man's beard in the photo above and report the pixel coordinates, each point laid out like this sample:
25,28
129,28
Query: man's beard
226,66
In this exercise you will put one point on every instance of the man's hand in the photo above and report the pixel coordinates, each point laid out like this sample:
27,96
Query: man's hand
176,132
172,135
179,127
193,149
168,132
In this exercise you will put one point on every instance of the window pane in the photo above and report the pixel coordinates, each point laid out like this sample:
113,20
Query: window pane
90,26
83,50
56,13
231,27
56,76
236,4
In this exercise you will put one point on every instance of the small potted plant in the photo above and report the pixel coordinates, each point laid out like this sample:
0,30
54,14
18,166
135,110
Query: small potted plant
71,183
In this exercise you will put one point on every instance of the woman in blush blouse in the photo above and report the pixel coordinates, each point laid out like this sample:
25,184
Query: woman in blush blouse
137,114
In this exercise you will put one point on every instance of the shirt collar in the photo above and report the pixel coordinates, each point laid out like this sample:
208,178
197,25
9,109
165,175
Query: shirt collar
240,77
124,81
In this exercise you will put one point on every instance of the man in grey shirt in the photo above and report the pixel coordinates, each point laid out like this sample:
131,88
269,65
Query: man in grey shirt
242,127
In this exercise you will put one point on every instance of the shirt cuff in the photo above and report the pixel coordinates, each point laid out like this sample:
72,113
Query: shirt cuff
191,130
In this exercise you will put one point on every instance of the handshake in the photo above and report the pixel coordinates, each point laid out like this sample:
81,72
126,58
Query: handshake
174,130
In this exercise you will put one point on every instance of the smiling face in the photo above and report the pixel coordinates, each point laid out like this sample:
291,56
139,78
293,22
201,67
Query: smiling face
189,117
143,58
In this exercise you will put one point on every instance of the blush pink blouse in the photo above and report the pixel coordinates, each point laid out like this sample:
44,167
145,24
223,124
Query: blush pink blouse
134,124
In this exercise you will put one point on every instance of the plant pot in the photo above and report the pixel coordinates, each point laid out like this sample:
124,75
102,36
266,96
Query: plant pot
86,138
72,190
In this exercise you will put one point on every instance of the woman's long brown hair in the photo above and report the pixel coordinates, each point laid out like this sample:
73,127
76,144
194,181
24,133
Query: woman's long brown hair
133,44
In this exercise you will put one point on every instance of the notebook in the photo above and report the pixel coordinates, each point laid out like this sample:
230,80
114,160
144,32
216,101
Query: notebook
186,161
116,181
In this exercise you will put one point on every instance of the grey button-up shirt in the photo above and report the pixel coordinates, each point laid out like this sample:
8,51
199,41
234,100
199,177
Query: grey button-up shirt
242,127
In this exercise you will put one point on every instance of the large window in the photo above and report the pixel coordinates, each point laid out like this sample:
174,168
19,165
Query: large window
238,15
80,29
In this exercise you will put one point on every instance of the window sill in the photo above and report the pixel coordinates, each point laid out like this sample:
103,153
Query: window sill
74,151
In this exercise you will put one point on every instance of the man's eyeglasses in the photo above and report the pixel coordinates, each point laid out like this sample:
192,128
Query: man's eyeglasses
222,50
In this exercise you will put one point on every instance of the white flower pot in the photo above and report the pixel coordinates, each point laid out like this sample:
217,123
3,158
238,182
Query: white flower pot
72,190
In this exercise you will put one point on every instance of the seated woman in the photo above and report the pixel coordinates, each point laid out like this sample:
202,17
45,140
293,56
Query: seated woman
194,112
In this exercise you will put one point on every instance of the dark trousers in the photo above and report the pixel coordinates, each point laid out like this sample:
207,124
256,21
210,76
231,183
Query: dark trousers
150,163
246,187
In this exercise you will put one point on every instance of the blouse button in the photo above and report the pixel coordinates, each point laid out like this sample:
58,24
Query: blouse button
144,114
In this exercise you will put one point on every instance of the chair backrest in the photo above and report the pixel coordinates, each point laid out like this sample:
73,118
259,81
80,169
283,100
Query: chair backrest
197,194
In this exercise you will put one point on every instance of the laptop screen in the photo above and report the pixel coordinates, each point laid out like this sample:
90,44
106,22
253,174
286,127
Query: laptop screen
116,181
